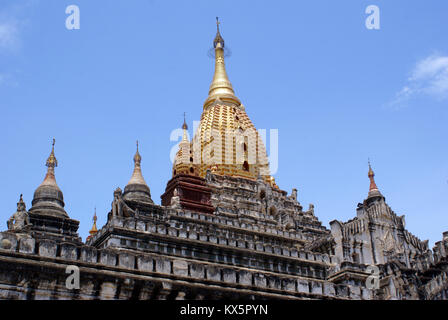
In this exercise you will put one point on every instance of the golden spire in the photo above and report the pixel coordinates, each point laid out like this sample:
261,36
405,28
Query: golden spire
185,128
220,86
51,163
373,190
137,157
137,177
94,229
371,176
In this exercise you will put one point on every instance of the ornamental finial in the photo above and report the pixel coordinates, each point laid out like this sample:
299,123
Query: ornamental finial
184,126
51,161
137,157
371,176
94,229
218,39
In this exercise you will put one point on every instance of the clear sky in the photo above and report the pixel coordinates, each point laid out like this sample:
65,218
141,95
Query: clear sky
337,92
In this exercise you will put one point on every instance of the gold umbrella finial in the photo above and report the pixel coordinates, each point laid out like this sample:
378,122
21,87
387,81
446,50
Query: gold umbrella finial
94,229
137,156
220,88
184,126
51,161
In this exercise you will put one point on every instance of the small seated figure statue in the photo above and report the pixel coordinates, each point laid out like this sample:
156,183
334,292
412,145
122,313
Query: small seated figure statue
175,200
20,220
294,194
119,207
311,209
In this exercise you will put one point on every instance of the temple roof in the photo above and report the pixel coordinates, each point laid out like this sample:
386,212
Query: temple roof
137,189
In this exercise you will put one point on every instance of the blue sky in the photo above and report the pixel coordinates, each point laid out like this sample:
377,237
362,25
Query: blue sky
337,92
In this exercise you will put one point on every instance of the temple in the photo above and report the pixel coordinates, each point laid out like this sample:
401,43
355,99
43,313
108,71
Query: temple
224,230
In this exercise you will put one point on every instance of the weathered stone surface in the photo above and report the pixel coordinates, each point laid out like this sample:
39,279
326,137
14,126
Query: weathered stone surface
26,245
197,271
259,280
8,241
126,260
89,254
213,273
229,275
48,248
329,289
316,287
145,263
302,286
69,251
108,290
180,267
289,285
163,265
108,257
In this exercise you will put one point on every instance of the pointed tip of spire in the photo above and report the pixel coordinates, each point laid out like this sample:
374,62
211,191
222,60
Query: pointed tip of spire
370,173
136,189
137,177
94,227
218,39
137,156
184,126
373,189
52,161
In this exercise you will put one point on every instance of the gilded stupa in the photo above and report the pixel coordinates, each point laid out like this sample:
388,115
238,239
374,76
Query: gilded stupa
226,141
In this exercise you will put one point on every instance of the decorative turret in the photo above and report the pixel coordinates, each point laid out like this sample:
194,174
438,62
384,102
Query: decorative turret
183,162
373,189
47,217
137,189
48,198
94,229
